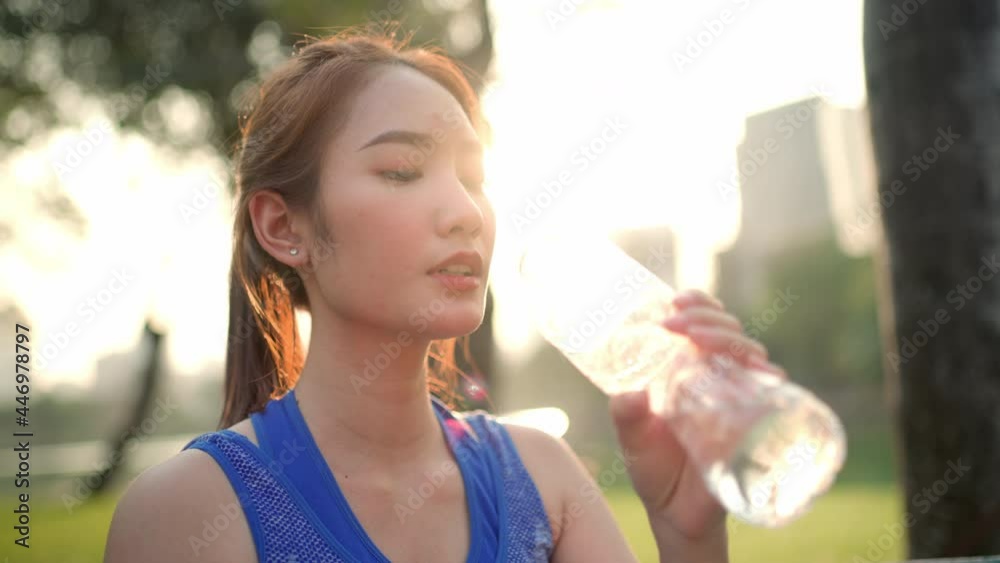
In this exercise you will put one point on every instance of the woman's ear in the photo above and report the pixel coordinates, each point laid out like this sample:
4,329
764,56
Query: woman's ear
277,229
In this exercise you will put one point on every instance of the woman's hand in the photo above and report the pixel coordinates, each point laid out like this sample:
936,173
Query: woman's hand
682,512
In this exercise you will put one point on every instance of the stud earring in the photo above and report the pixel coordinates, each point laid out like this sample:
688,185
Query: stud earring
293,251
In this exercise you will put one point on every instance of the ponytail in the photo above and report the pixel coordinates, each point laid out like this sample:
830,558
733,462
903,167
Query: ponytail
264,357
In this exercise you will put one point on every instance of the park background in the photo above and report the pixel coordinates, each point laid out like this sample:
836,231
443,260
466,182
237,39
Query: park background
730,139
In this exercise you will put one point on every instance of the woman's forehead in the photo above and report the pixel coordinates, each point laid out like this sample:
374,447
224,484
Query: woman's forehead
401,98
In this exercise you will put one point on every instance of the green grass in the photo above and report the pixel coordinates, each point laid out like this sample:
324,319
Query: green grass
838,527
843,526
59,535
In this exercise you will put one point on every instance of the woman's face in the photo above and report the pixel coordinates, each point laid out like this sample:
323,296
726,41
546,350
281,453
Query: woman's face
401,192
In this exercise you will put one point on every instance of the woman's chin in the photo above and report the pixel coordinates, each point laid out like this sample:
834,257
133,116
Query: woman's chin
453,324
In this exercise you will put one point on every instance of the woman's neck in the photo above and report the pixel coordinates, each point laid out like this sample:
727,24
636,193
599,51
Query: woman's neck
364,393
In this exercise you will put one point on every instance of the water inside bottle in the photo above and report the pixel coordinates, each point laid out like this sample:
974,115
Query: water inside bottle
787,458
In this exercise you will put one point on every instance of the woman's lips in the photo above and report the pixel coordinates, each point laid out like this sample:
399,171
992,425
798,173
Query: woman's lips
458,282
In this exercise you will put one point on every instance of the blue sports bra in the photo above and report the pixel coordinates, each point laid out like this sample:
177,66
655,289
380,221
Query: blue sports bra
297,512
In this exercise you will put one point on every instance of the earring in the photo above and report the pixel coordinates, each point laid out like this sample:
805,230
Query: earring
293,251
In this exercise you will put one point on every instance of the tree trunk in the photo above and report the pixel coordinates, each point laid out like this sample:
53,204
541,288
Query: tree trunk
131,428
936,130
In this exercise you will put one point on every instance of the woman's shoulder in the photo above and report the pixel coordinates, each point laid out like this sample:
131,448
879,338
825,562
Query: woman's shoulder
568,490
549,461
181,509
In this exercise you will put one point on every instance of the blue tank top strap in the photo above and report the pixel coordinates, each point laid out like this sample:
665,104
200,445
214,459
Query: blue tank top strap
260,431
295,454
528,532
281,531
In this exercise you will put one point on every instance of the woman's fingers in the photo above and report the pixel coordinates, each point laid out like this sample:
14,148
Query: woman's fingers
764,365
687,318
705,321
726,341
692,297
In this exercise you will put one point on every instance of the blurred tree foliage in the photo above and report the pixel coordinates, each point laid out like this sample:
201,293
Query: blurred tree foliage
139,56
828,331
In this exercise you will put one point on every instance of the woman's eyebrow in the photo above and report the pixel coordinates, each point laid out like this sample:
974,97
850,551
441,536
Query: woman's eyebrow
399,136
417,139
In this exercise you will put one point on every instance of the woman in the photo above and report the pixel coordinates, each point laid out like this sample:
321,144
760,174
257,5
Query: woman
360,201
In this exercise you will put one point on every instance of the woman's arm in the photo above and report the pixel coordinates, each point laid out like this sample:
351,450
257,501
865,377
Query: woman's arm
583,527
689,525
182,510
673,547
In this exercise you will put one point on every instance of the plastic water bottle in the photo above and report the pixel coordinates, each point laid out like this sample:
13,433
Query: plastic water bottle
765,447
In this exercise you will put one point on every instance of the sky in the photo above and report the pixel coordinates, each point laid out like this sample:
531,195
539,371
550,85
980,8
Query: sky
606,114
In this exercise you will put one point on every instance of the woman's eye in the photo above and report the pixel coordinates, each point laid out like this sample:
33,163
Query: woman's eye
401,175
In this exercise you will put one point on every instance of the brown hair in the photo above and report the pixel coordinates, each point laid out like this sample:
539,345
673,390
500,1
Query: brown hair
297,107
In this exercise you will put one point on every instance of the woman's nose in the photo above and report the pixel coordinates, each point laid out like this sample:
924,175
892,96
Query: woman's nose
459,212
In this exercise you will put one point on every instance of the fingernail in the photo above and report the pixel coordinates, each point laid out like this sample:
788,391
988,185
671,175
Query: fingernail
698,330
763,364
674,322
